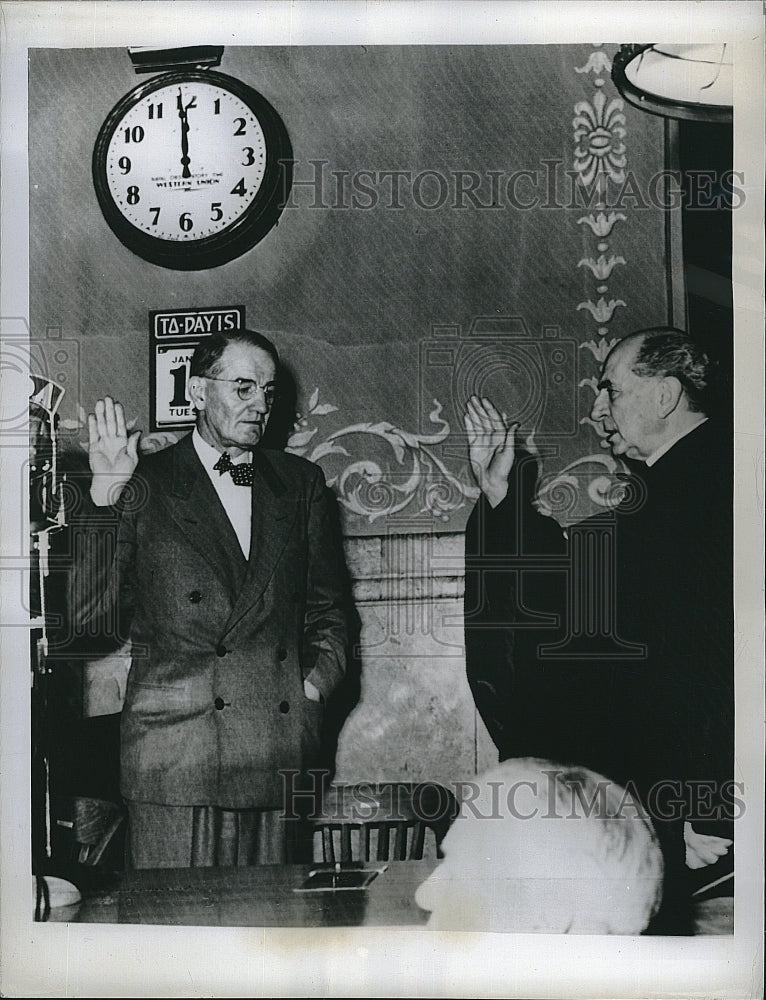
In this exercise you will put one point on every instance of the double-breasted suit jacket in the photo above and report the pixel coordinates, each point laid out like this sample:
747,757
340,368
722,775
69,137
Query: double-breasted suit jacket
215,704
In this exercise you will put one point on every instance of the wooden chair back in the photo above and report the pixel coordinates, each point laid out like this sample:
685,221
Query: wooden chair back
386,821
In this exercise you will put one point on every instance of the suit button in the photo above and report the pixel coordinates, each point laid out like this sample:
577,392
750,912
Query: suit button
284,707
195,596
282,653
219,704
221,650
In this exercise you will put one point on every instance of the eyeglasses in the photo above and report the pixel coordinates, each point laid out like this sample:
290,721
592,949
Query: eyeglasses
247,388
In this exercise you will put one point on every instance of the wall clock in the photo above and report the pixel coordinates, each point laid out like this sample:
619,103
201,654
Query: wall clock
192,168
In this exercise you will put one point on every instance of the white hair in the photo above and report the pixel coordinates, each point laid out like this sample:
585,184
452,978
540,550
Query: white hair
575,847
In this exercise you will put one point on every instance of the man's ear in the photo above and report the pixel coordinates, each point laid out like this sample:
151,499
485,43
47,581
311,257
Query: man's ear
670,394
196,388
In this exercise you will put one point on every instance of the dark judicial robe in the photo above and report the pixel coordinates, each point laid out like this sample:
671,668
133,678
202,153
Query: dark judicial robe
612,648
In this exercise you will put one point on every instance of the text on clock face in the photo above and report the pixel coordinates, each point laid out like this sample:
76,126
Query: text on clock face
186,161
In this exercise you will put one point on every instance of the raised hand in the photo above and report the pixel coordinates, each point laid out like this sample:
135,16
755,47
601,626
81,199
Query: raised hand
112,451
492,447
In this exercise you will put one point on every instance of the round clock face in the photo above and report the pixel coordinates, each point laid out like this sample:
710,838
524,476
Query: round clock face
192,168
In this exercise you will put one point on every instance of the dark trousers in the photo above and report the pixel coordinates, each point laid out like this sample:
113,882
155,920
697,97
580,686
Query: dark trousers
675,916
161,836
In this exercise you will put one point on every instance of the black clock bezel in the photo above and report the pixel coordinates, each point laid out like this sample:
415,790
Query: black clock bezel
258,219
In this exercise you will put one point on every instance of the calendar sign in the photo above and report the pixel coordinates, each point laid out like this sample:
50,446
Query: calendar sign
174,336
172,406
185,323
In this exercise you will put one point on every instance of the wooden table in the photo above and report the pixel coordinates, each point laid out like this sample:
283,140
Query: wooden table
266,896
261,896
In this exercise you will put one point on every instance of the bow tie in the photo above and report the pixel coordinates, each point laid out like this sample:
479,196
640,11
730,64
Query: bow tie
241,475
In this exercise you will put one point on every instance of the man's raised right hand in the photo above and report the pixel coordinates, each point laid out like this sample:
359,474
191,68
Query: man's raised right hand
112,451
492,447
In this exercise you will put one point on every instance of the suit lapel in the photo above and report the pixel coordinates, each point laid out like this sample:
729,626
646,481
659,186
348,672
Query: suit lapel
273,515
198,512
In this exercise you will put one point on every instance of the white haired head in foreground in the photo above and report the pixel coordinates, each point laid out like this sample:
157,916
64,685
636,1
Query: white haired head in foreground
548,848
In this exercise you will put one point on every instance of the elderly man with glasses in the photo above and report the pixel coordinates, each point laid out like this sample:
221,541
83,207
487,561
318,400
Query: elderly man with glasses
218,559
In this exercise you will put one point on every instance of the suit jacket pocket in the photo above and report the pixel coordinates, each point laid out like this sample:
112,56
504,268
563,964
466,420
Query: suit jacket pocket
158,699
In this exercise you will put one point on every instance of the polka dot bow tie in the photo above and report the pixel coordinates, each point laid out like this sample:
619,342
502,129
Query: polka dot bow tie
242,474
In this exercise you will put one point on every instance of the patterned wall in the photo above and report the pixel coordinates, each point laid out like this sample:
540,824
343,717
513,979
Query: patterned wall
511,231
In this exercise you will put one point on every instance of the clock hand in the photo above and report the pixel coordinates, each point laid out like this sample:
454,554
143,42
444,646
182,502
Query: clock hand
185,161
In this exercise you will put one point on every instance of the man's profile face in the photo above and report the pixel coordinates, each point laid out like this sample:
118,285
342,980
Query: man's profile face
626,404
224,420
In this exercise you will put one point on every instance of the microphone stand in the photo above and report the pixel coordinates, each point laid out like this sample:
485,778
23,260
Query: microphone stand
47,516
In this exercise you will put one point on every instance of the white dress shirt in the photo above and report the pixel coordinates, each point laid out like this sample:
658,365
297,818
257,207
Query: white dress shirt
236,500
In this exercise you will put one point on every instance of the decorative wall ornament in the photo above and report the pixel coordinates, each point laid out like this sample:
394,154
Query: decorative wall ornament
599,350
599,155
603,267
602,224
558,495
599,128
602,311
598,62
414,475
300,438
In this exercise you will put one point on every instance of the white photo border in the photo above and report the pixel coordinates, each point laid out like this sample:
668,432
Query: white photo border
95,960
